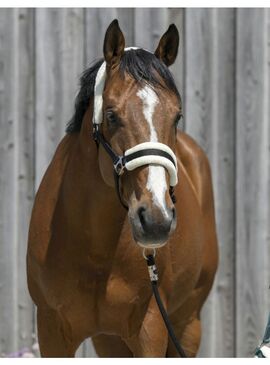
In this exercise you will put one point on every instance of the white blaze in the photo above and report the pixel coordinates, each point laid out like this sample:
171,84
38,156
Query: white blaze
156,182
150,100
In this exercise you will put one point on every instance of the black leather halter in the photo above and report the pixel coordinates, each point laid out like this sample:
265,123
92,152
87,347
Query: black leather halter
119,162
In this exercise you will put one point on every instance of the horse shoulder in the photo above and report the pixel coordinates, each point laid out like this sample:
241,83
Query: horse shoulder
45,202
197,167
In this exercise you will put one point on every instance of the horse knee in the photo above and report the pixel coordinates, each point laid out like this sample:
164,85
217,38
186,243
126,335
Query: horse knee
152,340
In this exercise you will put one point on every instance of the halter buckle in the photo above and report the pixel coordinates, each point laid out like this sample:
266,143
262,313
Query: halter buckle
119,165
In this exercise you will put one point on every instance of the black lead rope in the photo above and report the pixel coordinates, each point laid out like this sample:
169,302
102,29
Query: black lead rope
154,281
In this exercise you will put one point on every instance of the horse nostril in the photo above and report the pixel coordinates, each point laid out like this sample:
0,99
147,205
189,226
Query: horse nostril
155,224
141,214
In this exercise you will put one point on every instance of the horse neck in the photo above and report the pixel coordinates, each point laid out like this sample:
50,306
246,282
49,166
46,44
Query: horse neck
94,214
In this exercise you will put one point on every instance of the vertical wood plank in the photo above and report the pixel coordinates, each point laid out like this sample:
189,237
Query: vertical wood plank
97,22
126,21
81,351
16,177
176,16
8,100
253,187
88,348
25,169
59,62
209,112
149,25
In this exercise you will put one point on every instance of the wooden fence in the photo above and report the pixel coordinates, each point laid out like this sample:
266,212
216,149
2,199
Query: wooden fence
223,74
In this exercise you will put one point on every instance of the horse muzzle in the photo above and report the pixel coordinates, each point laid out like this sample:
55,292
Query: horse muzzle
151,226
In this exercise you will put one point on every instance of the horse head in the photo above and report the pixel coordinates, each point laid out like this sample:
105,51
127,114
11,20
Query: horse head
139,112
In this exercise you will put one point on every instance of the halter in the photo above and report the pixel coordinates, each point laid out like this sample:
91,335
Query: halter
147,153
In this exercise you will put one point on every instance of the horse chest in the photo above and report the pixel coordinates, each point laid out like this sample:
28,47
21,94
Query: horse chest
119,292
121,306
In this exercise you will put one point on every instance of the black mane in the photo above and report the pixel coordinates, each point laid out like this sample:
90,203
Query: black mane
141,65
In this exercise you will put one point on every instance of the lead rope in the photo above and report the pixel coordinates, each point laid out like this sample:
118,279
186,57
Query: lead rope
153,274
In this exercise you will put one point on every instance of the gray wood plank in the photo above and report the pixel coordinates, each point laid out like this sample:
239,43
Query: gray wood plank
59,62
25,169
126,22
176,16
253,188
81,351
149,25
98,20
209,112
16,177
8,200
89,350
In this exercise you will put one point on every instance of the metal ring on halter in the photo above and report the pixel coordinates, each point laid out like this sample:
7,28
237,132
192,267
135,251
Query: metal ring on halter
153,249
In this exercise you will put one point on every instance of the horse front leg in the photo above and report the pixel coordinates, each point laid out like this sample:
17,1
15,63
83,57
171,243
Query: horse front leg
54,335
152,340
189,337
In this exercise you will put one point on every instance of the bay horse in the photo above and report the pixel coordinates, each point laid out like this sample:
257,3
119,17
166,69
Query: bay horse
85,268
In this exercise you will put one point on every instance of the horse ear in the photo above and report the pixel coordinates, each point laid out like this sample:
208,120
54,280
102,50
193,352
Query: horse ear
114,44
168,46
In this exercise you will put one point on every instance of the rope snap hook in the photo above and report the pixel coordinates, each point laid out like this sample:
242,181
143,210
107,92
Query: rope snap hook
145,256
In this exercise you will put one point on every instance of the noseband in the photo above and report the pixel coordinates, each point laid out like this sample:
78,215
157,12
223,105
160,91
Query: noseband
147,153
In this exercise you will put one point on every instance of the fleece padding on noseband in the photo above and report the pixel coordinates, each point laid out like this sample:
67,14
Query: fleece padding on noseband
156,154
155,160
152,145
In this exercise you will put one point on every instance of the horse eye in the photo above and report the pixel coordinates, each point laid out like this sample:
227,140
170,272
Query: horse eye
177,119
111,118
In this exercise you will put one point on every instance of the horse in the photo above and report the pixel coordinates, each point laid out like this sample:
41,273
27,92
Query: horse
93,217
